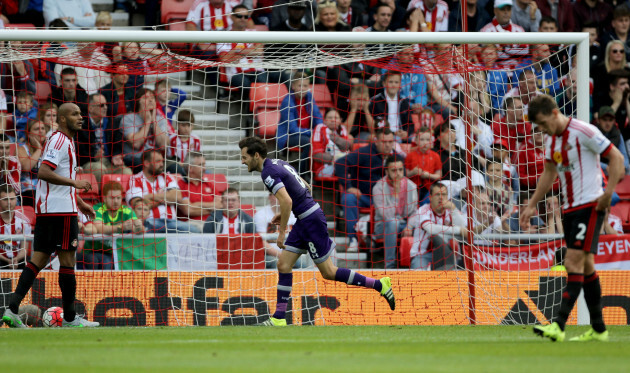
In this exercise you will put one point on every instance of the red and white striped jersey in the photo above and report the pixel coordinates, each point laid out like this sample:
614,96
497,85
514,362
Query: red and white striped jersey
60,154
436,18
224,48
321,143
139,186
18,225
508,53
12,172
575,152
209,18
421,238
179,149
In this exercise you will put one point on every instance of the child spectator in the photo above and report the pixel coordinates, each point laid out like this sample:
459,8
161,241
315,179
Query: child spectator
24,110
298,115
182,143
169,99
12,253
142,208
47,114
330,142
423,165
29,155
10,168
109,48
499,191
500,152
111,217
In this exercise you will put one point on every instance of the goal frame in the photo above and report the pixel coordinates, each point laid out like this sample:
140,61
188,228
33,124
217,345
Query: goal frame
581,40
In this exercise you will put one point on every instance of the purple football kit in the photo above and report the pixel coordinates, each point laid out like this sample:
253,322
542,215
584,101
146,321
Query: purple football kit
310,233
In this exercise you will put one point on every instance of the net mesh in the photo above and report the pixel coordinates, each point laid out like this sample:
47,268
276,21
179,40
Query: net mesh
455,113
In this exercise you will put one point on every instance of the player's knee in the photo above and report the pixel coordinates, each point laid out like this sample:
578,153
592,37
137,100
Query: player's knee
574,261
284,266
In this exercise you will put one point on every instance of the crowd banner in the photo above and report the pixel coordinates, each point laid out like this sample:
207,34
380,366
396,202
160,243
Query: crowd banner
613,253
152,298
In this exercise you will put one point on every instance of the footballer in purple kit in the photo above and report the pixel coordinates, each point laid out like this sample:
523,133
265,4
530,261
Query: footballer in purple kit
309,234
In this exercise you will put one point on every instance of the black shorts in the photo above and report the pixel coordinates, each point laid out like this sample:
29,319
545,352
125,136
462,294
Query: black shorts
582,226
56,232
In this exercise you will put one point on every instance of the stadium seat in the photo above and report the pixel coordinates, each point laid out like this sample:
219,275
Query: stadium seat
249,209
13,149
622,210
219,181
265,100
623,188
358,145
28,212
175,10
43,91
121,178
93,196
404,257
25,26
322,97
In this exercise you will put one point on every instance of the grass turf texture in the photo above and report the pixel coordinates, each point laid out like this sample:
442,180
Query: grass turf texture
308,349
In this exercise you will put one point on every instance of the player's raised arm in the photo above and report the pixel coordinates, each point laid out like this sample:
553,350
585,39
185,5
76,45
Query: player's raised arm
286,204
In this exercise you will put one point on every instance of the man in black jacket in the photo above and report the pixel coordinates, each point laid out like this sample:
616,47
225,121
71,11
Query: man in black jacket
119,94
99,145
232,220
70,91
393,110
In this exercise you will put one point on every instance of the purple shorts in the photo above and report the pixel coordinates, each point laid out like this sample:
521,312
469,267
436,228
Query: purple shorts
310,235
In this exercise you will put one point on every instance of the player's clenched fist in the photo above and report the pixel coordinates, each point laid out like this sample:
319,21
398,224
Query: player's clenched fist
83,184
280,240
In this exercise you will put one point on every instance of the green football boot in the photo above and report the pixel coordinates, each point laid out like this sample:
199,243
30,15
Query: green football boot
551,331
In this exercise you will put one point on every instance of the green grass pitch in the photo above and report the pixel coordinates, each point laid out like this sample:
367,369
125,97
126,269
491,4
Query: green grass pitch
308,349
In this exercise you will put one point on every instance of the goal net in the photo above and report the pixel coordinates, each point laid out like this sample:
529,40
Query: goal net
201,249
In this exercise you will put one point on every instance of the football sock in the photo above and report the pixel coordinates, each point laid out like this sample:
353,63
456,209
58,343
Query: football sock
68,285
593,298
569,296
350,277
285,282
29,273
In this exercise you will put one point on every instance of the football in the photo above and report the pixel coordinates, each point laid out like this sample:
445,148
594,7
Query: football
53,317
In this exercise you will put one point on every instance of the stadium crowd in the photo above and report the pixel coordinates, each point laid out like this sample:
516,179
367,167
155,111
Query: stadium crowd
393,142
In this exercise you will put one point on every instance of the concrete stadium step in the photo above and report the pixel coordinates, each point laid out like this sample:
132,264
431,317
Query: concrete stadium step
220,137
212,121
176,78
201,106
120,19
255,197
220,151
102,5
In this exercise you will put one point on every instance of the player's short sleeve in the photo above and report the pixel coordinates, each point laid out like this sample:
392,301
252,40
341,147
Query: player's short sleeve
272,179
55,152
598,143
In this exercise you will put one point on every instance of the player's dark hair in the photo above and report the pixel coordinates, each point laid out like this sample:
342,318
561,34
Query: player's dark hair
542,104
392,159
68,71
436,186
548,19
6,189
254,145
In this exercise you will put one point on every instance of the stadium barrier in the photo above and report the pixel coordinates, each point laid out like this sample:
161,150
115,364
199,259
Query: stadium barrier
134,298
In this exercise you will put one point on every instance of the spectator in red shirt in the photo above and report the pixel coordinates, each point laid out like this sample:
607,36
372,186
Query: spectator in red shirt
118,93
423,165
198,197
511,127
530,160
330,142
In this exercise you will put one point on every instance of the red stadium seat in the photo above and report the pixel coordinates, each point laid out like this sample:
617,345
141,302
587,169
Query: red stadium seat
43,91
404,257
121,178
622,210
265,100
25,26
175,10
28,212
93,196
623,188
322,96
358,145
219,181
249,209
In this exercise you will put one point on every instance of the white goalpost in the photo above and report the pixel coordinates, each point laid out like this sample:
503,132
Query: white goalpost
226,277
